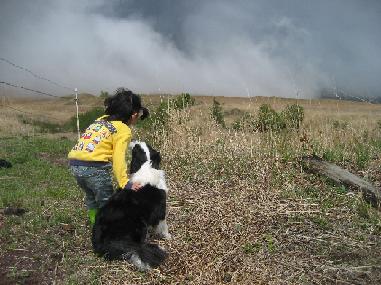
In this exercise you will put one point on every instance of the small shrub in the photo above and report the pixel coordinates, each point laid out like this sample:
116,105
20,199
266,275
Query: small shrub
104,94
159,117
293,116
269,119
217,113
237,125
182,101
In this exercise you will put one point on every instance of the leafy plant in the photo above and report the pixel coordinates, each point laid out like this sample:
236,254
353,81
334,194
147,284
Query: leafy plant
217,113
269,119
104,94
159,117
182,101
293,116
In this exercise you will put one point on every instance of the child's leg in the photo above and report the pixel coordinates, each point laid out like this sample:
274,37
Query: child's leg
101,185
83,174
92,213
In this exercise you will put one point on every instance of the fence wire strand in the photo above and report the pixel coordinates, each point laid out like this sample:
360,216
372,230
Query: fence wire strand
29,89
37,91
34,74
29,113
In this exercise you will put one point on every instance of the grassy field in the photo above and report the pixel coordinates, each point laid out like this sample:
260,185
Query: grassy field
241,209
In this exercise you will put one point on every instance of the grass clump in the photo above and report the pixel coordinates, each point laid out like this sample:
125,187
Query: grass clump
362,155
268,119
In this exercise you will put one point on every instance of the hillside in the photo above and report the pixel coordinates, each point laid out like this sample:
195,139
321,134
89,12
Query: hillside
241,208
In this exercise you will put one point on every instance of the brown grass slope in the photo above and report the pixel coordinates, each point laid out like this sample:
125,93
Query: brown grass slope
241,209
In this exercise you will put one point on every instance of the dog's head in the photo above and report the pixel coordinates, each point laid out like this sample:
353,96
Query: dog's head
141,153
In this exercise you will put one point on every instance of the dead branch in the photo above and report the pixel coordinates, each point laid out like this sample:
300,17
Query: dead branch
371,193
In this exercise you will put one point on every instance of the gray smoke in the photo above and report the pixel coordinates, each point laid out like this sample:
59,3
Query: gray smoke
232,48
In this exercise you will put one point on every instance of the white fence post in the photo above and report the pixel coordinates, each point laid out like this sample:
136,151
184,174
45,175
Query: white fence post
76,105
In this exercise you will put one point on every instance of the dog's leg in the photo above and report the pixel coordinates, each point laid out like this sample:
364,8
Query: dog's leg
162,230
135,260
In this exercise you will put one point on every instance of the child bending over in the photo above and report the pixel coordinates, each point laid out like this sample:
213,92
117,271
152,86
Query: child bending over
102,148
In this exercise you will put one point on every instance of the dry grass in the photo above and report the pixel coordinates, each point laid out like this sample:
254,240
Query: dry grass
241,208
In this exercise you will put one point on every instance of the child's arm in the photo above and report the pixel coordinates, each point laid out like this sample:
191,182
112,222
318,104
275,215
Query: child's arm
120,142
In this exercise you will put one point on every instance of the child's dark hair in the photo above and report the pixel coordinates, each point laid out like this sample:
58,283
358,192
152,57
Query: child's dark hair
123,104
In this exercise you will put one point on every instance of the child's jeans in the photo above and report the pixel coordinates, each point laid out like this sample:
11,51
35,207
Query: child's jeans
96,181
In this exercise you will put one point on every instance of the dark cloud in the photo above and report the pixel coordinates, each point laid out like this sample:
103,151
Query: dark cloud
236,48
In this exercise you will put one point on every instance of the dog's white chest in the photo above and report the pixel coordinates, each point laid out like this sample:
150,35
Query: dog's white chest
148,175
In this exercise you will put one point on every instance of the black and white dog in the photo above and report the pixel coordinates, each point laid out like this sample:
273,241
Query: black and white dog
121,226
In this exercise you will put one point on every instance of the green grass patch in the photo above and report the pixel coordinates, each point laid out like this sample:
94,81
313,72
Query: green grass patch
55,218
42,126
85,120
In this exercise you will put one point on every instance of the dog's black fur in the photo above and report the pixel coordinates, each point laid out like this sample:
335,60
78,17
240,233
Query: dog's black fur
121,226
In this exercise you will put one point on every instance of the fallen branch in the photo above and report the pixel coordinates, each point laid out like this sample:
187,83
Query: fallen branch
371,193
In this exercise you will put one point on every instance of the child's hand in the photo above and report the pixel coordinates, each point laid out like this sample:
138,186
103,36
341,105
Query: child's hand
133,186
136,186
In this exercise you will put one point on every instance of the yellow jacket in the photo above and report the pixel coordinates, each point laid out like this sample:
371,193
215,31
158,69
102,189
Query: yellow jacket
104,141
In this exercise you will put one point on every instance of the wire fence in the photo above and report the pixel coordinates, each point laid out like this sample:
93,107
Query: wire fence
29,89
30,113
35,74
74,93
6,102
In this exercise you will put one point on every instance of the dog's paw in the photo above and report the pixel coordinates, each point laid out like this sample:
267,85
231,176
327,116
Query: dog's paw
166,236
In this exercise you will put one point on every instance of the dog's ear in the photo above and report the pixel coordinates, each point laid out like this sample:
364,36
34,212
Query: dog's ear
133,143
137,159
156,156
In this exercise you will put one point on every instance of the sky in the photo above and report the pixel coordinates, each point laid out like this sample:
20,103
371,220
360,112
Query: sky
284,48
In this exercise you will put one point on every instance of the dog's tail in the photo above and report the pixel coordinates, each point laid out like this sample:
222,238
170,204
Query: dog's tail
144,256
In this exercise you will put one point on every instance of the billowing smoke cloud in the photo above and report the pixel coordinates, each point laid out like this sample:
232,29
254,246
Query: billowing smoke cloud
232,48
